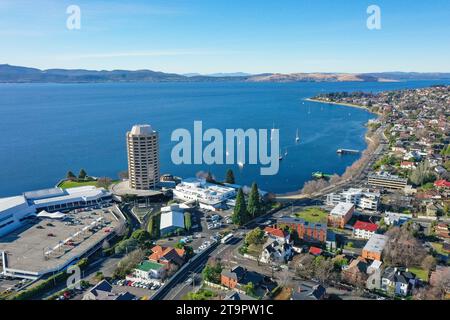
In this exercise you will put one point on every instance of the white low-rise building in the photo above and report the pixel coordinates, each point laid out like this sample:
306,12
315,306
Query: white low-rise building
14,209
361,198
172,219
208,195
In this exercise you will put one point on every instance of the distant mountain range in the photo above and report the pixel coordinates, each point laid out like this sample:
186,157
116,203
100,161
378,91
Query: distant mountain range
15,74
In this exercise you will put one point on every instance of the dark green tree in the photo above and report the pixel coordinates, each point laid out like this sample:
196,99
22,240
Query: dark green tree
187,221
254,204
82,175
230,177
70,175
240,215
141,236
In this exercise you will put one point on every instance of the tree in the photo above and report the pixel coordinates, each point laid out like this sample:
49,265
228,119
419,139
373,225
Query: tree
428,263
104,182
249,289
141,236
70,175
240,214
254,204
187,221
402,248
212,271
123,175
82,175
255,237
230,177
422,174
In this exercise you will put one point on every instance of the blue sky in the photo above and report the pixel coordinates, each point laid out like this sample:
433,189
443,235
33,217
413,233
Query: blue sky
208,36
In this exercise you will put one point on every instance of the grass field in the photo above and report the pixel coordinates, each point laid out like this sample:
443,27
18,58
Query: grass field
315,215
73,184
439,248
420,273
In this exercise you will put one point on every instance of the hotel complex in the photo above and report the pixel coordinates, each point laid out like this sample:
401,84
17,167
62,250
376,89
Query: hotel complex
209,196
143,157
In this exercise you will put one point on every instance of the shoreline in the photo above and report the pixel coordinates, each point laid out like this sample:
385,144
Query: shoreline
368,140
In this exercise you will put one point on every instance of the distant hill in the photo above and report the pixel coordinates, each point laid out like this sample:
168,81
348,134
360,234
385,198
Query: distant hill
15,74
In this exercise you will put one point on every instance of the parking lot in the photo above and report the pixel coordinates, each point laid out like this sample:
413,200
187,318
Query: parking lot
207,226
43,244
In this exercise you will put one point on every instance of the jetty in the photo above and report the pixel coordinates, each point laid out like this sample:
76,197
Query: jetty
347,151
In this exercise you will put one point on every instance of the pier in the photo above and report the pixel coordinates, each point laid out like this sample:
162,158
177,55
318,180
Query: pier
347,151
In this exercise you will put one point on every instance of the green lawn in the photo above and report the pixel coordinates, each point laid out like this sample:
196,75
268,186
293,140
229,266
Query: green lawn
420,273
314,215
73,184
439,248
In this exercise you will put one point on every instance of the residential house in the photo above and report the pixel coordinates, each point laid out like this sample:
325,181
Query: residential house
398,280
238,296
104,291
276,251
356,272
168,256
238,277
364,230
308,290
396,219
149,271
277,234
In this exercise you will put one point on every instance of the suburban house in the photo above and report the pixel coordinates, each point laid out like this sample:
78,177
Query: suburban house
396,219
238,277
277,234
104,291
234,295
398,280
168,256
374,272
307,231
364,230
356,272
341,214
308,290
148,271
374,247
276,251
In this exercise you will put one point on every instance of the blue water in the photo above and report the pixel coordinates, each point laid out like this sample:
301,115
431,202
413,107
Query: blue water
48,129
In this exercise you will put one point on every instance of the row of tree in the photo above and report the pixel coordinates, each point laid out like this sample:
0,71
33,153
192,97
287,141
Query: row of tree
82,175
245,212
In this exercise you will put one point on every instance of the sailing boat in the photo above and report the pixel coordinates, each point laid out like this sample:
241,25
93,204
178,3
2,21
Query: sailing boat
297,137
285,152
280,157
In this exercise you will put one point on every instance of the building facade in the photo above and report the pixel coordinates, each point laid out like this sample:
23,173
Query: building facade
143,157
307,231
341,214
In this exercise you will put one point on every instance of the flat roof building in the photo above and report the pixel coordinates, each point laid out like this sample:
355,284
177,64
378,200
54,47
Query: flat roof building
143,157
13,210
374,247
386,180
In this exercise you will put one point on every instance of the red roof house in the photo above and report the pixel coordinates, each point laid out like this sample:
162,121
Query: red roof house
442,184
315,251
276,233
367,226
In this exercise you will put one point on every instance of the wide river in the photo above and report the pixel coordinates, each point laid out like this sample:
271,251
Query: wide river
48,129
